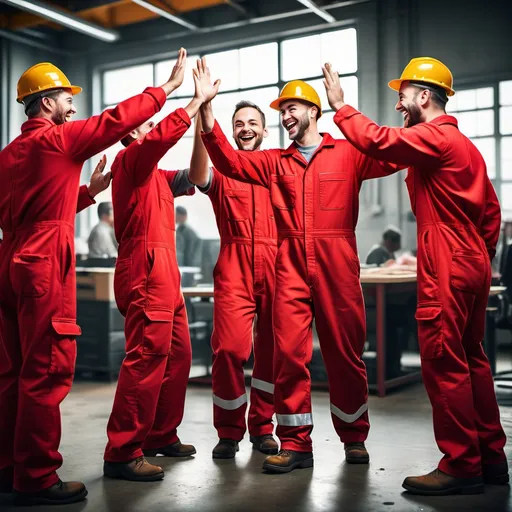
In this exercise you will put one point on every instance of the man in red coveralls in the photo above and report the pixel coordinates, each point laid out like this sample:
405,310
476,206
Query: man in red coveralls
243,290
40,172
150,397
314,186
458,218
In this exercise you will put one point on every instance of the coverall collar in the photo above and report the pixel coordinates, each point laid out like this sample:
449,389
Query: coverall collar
327,141
445,119
35,123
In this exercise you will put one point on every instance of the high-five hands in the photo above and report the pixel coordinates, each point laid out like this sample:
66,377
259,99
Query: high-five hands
178,73
203,82
335,94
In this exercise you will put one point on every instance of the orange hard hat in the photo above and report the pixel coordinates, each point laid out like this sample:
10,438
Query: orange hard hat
43,77
298,90
428,70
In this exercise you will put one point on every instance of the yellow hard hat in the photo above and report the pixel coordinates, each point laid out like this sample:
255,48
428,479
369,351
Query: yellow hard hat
43,77
298,90
426,69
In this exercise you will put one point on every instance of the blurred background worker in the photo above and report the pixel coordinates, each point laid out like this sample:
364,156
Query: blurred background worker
458,219
243,294
102,240
188,244
40,173
317,269
385,251
150,396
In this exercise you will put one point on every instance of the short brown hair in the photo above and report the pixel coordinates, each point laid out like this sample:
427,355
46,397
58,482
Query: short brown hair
249,104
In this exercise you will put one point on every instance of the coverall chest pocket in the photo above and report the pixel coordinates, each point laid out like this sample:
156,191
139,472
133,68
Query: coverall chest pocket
31,274
282,191
332,190
430,330
237,204
167,211
467,271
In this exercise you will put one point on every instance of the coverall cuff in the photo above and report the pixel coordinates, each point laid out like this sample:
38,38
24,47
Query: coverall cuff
295,447
39,484
182,113
158,93
213,136
345,112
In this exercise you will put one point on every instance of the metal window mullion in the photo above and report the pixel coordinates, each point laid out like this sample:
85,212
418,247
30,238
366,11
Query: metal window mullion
497,138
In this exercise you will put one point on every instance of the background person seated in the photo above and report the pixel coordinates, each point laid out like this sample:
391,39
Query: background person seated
102,240
385,251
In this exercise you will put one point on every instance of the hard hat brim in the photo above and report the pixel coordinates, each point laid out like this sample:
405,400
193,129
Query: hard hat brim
396,84
276,104
75,89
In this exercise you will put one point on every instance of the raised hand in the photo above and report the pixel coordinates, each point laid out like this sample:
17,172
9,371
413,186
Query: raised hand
205,90
335,94
178,73
99,181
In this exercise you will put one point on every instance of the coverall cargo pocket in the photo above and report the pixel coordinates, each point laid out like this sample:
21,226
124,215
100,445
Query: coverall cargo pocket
32,274
122,278
237,204
282,191
63,355
333,191
157,332
430,330
467,271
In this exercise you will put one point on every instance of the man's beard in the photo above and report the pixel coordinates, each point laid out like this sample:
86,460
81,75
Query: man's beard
59,117
303,125
256,143
413,115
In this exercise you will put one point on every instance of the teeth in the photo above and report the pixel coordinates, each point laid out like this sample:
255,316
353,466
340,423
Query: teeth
291,125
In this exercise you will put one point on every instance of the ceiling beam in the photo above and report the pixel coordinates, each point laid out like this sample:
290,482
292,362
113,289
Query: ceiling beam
313,7
242,10
162,10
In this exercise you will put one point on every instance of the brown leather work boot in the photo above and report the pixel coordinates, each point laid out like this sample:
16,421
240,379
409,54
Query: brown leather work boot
288,460
59,494
225,449
177,449
438,483
355,453
265,444
496,474
137,470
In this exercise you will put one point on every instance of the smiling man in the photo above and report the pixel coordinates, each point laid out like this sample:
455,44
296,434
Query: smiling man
243,292
314,190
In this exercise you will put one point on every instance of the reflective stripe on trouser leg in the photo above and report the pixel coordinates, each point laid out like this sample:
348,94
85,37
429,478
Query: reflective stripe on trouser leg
349,418
268,387
295,420
230,405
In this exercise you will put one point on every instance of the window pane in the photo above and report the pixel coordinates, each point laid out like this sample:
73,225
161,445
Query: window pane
506,93
272,141
468,123
258,65
487,147
223,107
301,57
452,105
485,122
178,157
163,72
120,84
326,125
506,120
340,49
349,85
506,158
485,97
262,98
170,106
466,100
225,65
506,197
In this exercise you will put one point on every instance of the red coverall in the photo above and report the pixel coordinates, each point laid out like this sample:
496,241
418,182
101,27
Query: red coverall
317,275
243,287
40,173
150,396
458,218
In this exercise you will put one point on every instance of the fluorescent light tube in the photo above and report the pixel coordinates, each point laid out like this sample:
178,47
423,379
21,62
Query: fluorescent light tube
320,12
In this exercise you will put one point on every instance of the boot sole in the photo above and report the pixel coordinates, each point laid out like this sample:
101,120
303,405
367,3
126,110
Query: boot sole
308,463
357,460
27,501
468,489
497,480
132,478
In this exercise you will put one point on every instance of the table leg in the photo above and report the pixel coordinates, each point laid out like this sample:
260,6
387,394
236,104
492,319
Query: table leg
381,338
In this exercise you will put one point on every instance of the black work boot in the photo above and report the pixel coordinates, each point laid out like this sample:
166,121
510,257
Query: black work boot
265,444
288,460
496,474
225,449
60,493
355,453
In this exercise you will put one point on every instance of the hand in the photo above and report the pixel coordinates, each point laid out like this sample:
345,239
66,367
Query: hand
178,73
335,94
99,181
205,90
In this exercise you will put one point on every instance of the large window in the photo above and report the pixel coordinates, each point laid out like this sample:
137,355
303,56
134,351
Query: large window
255,73
485,115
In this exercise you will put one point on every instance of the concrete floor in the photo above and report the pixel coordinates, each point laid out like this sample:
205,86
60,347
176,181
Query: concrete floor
401,443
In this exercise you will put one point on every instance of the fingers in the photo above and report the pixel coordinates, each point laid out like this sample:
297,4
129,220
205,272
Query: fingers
107,178
100,165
